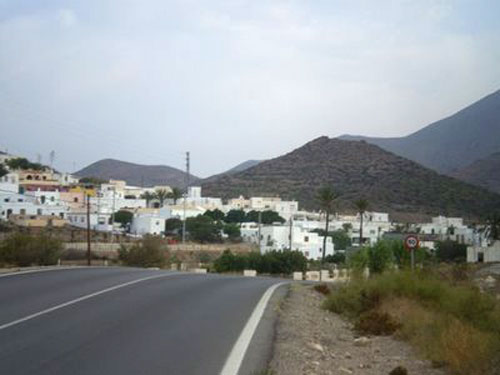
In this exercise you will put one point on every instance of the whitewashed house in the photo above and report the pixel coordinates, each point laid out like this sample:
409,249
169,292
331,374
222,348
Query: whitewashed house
150,221
277,237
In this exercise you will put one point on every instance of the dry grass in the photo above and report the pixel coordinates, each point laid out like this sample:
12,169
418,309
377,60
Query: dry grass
448,324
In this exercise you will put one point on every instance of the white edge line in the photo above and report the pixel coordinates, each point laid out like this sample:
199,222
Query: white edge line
80,299
235,358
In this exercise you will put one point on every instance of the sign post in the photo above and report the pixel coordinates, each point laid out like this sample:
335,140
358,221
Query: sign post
412,243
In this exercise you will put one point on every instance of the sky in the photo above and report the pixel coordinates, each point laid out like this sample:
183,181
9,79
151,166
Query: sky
145,81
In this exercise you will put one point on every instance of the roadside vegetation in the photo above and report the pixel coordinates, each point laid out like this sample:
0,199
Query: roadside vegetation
273,262
23,250
149,252
436,307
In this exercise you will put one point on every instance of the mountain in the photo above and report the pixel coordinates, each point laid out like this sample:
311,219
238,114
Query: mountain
451,143
356,169
484,172
242,166
136,174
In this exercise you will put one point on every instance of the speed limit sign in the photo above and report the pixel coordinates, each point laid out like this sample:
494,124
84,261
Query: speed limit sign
411,242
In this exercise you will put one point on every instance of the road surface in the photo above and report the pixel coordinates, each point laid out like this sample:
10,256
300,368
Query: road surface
122,321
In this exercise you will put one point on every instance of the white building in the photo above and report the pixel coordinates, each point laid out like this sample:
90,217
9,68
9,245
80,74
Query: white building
194,198
150,221
99,222
448,228
277,237
477,254
286,209
20,204
9,183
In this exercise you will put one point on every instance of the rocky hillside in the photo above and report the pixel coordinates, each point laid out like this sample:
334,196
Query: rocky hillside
451,143
484,173
356,169
136,174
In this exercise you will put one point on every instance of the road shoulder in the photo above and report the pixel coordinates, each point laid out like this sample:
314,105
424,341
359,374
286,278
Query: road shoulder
310,340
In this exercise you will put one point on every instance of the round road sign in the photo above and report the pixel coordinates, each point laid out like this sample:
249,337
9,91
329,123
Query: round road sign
411,242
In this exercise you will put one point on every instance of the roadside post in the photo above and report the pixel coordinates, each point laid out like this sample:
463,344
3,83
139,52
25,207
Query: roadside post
412,243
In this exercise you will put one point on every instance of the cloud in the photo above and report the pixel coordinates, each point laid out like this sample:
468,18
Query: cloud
67,17
233,80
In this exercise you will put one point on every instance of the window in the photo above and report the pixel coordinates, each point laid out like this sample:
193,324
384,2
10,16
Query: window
75,199
39,211
22,211
306,238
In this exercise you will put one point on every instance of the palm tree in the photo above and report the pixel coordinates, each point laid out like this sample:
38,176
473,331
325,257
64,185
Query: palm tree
148,197
175,194
161,195
326,198
361,206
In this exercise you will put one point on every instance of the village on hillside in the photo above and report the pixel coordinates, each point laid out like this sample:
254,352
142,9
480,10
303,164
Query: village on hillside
37,196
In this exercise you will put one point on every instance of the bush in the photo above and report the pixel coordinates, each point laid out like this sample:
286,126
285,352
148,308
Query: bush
337,258
451,251
452,324
376,323
26,250
272,262
146,253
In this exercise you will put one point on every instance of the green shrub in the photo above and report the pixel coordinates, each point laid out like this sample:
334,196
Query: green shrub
146,253
451,251
272,262
26,250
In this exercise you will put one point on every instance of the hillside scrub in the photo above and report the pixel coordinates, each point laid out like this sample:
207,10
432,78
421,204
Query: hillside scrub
148,252
24,250
454,325
272,262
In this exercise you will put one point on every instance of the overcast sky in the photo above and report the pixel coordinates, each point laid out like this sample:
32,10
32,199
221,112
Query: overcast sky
145,81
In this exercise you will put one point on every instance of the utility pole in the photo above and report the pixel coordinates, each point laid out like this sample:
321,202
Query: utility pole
113,215
88,230
260,240
185,198
291,230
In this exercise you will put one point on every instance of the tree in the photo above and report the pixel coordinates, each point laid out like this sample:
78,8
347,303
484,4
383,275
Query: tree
203,229
340,239
148,197
161,195
173,226
361,206
326,198
270,217
232,231
3,170
175,194
123,217
235,216
267,217
216,214
23,163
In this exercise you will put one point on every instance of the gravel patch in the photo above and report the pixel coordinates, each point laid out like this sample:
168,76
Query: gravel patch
310,340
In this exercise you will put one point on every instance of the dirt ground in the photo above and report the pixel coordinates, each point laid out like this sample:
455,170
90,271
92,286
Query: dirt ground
311,340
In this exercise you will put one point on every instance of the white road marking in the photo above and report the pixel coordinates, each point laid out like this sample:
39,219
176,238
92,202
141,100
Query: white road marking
233,362
80,299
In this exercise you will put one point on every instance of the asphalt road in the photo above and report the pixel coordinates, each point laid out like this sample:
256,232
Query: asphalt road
176,323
